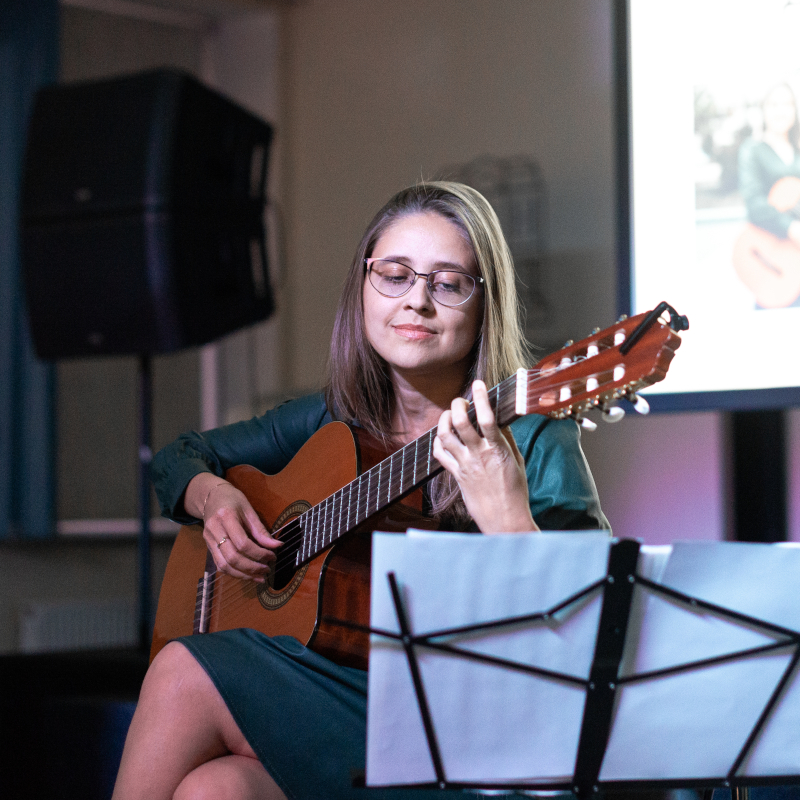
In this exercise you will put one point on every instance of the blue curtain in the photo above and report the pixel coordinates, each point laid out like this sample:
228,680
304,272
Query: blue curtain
28,60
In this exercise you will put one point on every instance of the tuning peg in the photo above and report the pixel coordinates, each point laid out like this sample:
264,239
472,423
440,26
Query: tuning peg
640,405
587,423
613,413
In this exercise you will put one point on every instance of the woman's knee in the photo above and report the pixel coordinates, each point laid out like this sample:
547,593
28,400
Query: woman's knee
174,676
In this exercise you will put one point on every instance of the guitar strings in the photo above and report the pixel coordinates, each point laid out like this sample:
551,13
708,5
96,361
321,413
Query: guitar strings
234,590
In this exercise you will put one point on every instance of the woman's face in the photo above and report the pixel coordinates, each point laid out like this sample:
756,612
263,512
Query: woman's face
779,110
413,334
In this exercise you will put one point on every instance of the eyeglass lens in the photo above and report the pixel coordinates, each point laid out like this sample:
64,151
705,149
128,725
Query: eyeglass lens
446,287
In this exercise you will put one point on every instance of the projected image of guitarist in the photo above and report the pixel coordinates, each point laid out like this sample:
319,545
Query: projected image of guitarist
766,255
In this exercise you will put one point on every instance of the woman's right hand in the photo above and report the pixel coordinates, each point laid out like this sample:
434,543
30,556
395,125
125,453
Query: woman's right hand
238,542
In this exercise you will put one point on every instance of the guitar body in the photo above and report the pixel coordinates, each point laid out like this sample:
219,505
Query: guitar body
768,265
335,584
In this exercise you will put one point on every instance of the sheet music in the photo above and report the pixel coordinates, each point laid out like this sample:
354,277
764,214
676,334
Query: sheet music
493,724
694,724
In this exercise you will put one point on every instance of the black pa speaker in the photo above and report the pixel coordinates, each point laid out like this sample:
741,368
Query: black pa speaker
142,224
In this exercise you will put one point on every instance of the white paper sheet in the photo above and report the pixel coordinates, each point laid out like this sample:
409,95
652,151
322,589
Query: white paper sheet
492,724
694,724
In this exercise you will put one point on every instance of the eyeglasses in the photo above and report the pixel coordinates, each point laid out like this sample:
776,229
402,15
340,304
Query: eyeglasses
446,286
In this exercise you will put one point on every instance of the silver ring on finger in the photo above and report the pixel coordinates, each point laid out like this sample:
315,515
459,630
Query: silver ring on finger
222,542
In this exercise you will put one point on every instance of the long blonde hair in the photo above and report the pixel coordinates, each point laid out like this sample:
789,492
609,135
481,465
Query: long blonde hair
359,389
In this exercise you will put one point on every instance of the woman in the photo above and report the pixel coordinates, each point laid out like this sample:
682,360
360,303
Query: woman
428,314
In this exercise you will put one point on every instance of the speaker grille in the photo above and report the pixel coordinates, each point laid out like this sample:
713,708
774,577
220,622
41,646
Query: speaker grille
142,209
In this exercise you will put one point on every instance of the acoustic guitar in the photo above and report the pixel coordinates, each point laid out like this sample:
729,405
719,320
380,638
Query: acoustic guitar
768,265
318,591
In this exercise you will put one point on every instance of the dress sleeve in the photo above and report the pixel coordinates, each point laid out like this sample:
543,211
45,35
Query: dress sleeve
267,443
562,492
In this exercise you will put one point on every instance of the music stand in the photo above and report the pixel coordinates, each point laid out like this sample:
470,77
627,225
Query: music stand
598,650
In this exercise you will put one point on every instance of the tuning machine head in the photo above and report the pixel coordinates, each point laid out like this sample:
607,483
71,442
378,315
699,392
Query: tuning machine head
612,413
640,405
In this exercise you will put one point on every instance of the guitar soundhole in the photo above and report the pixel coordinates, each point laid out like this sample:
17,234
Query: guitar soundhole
283,582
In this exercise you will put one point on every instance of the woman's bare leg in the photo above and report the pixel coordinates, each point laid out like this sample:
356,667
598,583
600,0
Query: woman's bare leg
184,742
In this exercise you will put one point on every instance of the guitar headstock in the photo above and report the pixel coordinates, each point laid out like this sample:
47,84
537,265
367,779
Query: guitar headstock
608,365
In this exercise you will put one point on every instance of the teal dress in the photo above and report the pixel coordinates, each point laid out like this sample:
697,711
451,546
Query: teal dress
303,715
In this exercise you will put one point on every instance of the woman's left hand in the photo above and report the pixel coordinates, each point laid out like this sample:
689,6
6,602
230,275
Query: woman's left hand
489,467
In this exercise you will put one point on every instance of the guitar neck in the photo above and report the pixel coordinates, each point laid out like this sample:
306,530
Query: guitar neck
387,482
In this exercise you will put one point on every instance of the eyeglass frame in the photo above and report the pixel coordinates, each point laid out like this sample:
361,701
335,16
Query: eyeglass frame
476,281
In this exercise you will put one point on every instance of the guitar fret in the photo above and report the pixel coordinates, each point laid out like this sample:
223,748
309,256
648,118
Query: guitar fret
403,469
349,501
389,482
339,515
378,487
331,522
330,501
430,447
366,495
362,514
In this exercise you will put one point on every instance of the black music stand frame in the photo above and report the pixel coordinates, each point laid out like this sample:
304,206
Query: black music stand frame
602,685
